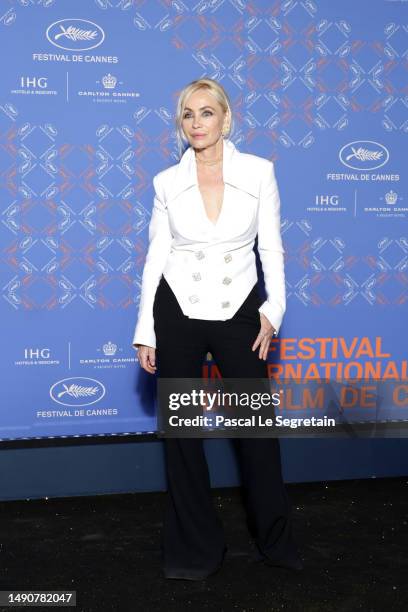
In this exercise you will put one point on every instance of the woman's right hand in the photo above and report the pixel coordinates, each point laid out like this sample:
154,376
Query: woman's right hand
147,358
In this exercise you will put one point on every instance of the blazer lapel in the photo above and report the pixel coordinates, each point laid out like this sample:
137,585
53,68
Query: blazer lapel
235,171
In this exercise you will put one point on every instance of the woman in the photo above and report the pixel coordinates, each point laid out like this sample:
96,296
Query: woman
199,294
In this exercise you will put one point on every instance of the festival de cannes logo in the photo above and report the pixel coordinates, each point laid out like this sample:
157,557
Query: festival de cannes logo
364,155
75,34
77,391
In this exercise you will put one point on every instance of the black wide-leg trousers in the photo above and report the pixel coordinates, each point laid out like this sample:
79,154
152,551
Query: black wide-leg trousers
192,536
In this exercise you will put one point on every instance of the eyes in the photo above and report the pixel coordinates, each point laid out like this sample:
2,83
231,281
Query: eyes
205,113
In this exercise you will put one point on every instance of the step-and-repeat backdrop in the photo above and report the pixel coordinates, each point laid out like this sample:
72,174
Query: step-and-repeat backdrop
87,100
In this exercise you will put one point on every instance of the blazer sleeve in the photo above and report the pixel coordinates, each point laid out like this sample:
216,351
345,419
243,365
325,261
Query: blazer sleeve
160,239
270,248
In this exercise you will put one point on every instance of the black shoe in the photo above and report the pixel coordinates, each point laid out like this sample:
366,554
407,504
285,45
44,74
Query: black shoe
188,574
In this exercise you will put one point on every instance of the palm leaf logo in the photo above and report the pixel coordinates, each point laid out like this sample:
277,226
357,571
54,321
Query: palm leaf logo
364,154
76,33
78,391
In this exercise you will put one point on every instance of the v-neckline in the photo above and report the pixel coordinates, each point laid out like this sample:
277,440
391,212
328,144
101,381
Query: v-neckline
214,225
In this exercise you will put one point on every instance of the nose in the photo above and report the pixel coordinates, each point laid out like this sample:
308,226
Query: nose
196,123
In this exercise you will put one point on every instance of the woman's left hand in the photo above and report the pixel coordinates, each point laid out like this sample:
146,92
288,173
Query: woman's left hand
264,337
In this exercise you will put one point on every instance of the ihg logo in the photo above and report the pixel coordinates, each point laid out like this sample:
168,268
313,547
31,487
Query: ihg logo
326,200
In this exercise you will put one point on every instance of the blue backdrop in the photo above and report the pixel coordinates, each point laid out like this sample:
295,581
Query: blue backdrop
88,93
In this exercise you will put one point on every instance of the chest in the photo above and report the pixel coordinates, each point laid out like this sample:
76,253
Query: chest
211,189
237,215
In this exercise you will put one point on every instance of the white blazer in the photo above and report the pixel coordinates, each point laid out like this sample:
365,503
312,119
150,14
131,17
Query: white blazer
211,268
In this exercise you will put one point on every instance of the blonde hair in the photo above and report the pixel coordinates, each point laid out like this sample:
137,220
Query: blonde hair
219,94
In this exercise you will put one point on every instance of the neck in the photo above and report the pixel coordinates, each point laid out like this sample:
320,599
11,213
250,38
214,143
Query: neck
210,153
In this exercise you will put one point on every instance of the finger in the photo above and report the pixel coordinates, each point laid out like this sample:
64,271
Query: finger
261,347
151,363
264,348
144,363
148,366
258,340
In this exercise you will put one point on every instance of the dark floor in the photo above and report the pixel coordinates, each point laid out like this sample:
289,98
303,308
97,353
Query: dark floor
352,536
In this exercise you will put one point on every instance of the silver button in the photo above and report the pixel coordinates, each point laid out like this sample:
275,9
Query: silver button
196,276
225,304
227,258
226,280
199,254
194,298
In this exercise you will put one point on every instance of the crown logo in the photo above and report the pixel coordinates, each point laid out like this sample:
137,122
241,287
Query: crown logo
109,81
109,348
391,197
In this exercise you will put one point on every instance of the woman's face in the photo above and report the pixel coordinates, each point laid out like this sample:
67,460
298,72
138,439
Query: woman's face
202,119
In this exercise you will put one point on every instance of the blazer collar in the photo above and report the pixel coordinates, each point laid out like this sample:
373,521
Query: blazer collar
235,171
